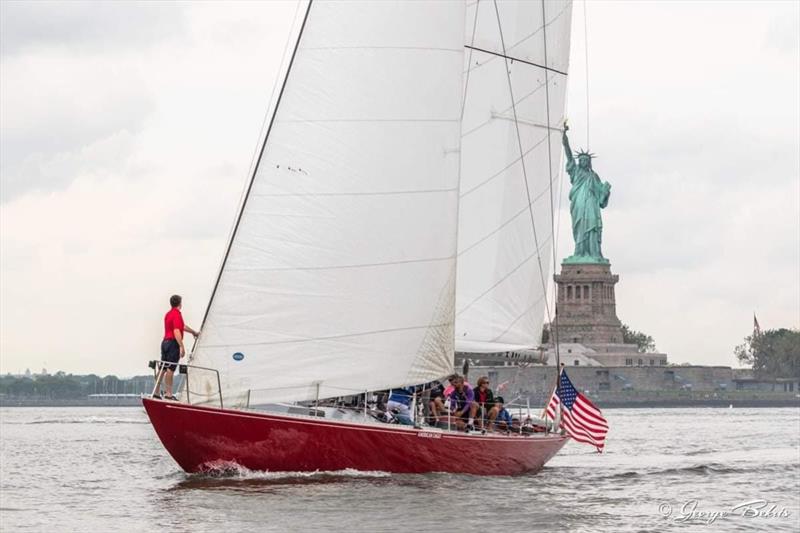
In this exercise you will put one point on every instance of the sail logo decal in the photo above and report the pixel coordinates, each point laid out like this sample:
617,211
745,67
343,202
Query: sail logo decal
238,356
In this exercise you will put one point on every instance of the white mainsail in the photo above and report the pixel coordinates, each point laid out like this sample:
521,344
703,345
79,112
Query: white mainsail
519,48
340,276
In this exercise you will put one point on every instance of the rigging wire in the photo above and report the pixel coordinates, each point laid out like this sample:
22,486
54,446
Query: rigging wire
586,65
269,104
469,63
559,202
258,161
250,169
553,320
460,142
522,158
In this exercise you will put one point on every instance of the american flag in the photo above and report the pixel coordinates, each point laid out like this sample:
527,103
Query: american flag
581,419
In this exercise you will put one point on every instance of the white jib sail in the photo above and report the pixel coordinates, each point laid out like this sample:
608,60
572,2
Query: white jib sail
503,267
341,275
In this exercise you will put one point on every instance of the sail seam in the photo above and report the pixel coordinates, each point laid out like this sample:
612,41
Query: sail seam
520,60
334,337
342,267
366,193
498,173
525,312
503,225
492,117
501,280
323,120
426,48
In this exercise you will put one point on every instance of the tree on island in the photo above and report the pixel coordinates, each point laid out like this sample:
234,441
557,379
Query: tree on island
644,342
772,352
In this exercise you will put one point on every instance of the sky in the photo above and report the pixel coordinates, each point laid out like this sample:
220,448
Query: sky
127,133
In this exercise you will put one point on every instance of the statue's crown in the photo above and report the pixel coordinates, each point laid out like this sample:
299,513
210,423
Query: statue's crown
584,152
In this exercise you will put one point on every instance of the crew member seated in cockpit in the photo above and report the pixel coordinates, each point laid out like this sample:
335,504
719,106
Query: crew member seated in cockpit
399,405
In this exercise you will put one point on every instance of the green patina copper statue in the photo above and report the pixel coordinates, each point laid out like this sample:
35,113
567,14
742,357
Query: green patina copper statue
587,196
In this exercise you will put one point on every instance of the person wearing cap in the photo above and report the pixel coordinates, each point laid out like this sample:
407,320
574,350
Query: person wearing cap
502,418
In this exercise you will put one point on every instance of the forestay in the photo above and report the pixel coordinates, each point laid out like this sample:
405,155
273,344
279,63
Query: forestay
505,235
341,275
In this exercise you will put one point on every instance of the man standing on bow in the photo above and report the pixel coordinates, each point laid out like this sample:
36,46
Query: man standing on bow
172,348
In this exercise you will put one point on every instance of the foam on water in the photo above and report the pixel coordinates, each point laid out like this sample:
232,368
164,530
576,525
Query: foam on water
232,470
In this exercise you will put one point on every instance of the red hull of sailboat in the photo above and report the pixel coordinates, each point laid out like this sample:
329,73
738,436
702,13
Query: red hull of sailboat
204,438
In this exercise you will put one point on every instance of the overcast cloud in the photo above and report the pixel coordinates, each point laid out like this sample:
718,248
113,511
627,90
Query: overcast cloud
127,131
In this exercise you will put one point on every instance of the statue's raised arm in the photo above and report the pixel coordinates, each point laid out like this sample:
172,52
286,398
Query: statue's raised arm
568,153
565,142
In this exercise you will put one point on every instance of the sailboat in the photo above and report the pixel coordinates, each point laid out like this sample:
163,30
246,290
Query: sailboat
400,210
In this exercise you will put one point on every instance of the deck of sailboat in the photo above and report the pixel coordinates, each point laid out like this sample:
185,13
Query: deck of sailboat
203,438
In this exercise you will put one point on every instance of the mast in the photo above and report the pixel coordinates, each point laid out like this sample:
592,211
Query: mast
552,318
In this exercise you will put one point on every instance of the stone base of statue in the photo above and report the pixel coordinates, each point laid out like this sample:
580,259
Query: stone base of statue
586,304
588,327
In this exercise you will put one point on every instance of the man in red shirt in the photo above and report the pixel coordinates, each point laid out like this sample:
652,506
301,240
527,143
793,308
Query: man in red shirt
172,348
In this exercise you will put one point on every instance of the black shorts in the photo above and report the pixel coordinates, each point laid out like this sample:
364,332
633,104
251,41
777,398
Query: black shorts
170,354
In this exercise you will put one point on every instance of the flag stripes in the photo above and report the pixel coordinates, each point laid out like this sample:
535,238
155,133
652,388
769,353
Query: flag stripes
580,418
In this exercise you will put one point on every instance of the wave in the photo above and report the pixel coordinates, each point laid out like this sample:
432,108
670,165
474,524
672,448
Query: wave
84,420
700,469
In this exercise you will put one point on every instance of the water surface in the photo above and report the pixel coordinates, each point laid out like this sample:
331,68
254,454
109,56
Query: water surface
103,469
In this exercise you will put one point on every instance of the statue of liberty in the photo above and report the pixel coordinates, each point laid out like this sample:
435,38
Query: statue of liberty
587,196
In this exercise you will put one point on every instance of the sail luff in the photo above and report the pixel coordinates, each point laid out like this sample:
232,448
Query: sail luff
255,167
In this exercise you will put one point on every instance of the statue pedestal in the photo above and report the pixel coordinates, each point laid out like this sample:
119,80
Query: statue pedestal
586,305
587,316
